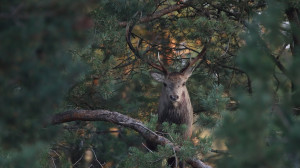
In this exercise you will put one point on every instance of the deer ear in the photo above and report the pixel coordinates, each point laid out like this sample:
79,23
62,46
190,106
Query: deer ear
158,76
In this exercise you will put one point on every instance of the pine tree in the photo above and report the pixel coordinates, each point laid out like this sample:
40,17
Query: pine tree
66,56
264,130
36,70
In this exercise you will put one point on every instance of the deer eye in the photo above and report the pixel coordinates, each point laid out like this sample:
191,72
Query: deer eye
183,84
165,84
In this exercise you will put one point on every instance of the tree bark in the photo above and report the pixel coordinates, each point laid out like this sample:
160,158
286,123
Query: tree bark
123,120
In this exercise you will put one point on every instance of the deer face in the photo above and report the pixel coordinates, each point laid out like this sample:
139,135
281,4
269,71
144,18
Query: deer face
174,85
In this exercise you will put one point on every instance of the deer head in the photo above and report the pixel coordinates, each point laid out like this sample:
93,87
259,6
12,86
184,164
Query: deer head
174,85
175,82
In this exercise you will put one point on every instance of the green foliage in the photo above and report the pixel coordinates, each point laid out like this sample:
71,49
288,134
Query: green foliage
138,158
158,158
27,156
105,142
247,86
35,72
214,104
256,135
152,122
215,99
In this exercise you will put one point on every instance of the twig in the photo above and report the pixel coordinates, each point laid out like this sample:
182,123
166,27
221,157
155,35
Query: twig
160,3
53,162
55,152
139,124
175,157
147,148
96,158
296,108
157,14
281,51
227,48
219,151
278,82
185,47
165,133
78,160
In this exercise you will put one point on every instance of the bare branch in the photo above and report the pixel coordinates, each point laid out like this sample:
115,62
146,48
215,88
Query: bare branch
157,14
123,120
219,151
53,162
279,65
113,117
147,148
78,160
96,157
175,157
197,163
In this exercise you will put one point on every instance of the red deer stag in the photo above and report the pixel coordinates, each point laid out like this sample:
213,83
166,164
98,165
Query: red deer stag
174,103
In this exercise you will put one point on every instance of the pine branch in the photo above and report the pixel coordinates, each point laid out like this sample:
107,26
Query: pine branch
239,70
123,120
157,14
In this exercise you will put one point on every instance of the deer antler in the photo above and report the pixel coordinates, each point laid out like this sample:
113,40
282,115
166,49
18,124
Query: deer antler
192,62
161,64
136,52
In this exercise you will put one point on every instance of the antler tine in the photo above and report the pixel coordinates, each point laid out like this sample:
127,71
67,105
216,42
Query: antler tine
160,67
192,62
161,64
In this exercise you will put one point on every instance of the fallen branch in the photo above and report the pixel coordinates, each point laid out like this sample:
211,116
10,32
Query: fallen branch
123,120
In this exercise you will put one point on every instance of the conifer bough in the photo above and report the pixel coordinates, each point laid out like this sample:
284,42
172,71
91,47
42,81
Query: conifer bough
123,120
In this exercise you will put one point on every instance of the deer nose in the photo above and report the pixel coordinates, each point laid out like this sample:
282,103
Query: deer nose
174,97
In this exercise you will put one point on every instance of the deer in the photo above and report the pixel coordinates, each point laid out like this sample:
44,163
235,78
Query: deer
174,103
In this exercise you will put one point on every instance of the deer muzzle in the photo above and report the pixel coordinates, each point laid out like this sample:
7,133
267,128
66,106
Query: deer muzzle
174,98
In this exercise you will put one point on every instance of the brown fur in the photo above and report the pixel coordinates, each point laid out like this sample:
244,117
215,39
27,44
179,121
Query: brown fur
182,112
179,111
